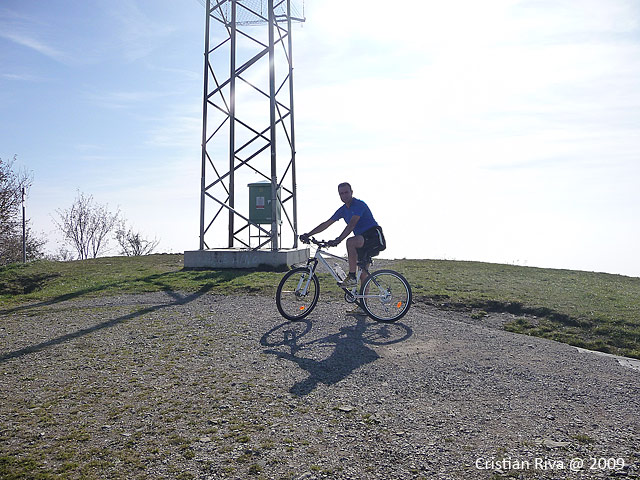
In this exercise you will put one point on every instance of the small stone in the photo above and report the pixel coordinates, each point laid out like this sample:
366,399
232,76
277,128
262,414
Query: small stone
306,476
346,408
553,444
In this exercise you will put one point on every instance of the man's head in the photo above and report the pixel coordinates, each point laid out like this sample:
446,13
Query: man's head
345,192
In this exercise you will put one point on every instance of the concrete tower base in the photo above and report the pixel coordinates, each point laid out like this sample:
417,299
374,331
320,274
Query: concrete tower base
236,258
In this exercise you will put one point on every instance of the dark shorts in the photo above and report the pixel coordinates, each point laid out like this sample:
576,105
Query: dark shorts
374,243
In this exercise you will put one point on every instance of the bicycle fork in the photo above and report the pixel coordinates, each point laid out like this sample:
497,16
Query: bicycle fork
300,290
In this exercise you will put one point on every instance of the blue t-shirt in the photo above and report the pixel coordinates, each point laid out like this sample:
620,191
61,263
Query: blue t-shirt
358,207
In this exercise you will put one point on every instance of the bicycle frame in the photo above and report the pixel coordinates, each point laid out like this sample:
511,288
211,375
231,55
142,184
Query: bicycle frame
319,256
312,263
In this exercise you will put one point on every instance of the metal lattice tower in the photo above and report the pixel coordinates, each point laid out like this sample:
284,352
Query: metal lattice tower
248,120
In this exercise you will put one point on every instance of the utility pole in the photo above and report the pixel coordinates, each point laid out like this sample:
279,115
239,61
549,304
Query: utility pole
24,231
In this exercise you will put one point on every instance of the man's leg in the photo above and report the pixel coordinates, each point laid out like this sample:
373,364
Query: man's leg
363,273
353,243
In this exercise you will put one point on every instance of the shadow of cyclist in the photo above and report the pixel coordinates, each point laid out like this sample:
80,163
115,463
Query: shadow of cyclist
349,353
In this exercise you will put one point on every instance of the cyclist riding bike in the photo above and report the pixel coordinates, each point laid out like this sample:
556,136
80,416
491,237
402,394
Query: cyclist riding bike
359,219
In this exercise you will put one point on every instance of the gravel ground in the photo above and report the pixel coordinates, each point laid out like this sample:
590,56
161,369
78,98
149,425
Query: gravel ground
207,386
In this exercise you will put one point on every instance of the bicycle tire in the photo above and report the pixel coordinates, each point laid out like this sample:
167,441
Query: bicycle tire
392,298
291,304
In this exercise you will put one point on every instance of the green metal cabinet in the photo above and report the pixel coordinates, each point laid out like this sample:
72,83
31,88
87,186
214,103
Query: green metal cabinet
260,203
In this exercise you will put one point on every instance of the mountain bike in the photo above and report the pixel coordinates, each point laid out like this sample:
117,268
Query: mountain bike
385,295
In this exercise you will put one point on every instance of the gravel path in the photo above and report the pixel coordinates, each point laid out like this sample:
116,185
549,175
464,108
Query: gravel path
205,386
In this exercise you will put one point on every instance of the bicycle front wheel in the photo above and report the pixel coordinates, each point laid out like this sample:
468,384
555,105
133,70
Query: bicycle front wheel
297,294
386,296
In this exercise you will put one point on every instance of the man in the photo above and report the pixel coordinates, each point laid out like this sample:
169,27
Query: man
360,221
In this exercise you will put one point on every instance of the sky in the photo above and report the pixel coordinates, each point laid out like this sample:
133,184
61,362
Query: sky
504,131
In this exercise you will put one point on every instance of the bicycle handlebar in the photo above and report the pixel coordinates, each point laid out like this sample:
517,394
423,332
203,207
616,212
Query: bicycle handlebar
319,243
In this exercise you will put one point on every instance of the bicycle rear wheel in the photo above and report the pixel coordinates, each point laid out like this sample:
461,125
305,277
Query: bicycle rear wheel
386,296
297,294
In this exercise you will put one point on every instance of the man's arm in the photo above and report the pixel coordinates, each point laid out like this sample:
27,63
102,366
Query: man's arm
348,229
322,227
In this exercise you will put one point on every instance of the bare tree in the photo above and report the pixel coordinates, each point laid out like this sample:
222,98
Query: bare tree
11,247
132,243
62,255
86,226
11,187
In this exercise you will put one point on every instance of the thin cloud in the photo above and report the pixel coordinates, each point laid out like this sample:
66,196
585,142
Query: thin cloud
35,44
179,131
139,36
124,99
20,77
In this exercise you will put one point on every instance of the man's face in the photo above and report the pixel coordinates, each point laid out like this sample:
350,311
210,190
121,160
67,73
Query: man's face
345,194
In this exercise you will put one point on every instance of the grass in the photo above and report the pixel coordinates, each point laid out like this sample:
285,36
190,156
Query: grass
13,469
591,310
52,282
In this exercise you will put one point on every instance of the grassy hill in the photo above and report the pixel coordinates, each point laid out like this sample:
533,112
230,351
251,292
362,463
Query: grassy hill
591,310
